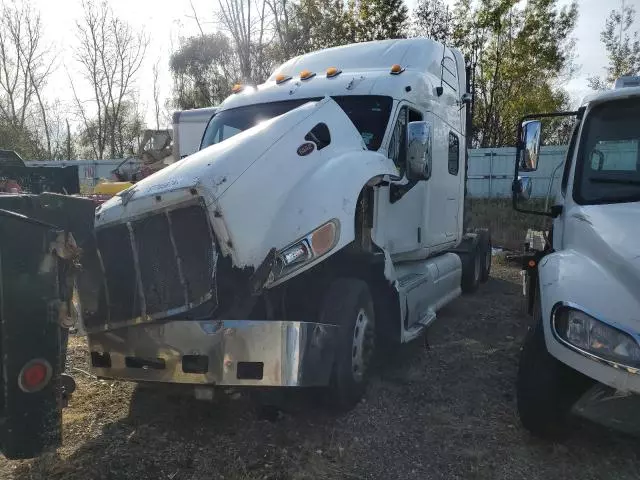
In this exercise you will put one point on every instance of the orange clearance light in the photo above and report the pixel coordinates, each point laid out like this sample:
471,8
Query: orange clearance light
333,72
532,263
396,69
237,88
306,75
281,78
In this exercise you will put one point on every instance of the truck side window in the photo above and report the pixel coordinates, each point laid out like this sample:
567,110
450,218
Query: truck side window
319,135
397,145
569,158
454,153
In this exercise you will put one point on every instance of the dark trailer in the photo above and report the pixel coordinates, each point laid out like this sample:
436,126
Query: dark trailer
39,260
37,179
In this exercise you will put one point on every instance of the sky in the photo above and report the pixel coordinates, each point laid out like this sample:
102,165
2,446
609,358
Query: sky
166,21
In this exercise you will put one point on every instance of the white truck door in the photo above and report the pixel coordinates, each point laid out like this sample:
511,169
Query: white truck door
401,205
442,211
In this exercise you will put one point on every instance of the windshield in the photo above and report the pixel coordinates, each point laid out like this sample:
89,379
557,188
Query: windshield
368,113
608,168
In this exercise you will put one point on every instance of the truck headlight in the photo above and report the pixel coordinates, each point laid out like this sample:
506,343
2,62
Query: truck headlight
312,246
592,336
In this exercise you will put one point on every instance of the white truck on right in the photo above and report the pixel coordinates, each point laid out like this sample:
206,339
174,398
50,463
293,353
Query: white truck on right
582,352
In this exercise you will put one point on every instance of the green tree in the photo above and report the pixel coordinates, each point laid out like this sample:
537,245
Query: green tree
203,69
380,19
622,45
519,57
323,24
432,19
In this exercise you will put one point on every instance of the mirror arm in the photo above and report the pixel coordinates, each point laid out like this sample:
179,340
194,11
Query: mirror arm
535,212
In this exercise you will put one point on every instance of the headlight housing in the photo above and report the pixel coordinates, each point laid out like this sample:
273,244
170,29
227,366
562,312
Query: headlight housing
595,338
312,246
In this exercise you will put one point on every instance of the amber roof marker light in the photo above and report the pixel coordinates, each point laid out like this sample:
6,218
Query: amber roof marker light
306,75
237,88
333,72
396,69
281,78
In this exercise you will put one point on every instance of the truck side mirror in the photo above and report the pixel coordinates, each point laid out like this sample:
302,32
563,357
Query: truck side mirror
522,188
530,145
419,151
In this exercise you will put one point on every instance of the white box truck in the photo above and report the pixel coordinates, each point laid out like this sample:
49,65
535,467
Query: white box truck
188,127
582,352
323,214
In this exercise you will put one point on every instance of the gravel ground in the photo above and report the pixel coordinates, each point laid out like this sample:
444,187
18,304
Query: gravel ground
444,408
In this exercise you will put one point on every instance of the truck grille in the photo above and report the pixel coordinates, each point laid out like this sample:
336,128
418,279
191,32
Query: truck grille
158,266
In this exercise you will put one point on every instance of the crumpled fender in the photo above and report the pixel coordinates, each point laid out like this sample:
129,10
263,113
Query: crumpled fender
569,276
285,195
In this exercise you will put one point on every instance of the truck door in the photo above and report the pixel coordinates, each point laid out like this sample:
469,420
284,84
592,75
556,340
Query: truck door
402,204
446,187
30,337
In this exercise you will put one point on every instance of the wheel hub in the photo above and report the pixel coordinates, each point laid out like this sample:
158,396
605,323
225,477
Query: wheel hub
361,347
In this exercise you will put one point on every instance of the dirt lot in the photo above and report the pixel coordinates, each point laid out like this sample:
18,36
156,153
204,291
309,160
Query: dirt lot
442,411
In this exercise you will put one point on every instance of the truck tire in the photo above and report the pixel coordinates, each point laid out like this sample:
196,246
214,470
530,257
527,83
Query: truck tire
486,253
471,268
546,388
348,304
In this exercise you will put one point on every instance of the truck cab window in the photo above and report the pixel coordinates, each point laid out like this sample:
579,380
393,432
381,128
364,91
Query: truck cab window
397,144
608,161
396,147
567,163
369,113
454,153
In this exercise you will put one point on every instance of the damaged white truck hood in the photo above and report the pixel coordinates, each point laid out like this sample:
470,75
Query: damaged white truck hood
267,186
610,234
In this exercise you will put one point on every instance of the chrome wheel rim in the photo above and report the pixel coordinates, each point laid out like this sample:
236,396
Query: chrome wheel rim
361,346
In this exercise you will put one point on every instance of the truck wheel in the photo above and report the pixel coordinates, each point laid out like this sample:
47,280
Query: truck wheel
348,304
486,253
546,388
471,269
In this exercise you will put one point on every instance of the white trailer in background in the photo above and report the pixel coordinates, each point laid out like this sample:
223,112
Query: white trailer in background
188,127
582,353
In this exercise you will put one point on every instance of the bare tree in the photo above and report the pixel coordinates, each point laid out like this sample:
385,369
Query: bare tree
26,64
156,93
249,26
622,43
110,53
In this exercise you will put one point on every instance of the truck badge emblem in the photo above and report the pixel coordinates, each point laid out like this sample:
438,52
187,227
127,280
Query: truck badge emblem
305,149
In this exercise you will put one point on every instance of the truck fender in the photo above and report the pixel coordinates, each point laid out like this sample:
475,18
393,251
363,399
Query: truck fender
338,184
571,278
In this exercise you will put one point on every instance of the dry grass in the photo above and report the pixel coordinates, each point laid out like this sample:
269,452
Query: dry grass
508,227
444,409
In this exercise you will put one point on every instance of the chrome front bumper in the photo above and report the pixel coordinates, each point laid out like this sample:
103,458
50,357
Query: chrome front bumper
229,352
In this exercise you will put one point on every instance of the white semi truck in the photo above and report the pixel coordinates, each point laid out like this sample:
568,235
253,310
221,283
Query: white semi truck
582,353
322,214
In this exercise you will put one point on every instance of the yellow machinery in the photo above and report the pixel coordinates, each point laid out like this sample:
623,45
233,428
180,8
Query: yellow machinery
110,188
